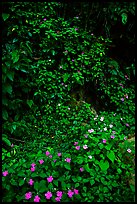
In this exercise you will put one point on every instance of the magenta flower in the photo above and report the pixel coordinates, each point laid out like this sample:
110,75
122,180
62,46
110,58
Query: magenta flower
77,147
59,154
32,169
82,53
28,195
31,182
75,143
76,191
81,169
72,60
59,194
68,160
47,153
127,124
90,131
122,99
5,173
50,156
104,141
41,161
37,199
50,179
85,146
44,19
55,160
112,136
129,150
57,199
33,165
48,195
70,193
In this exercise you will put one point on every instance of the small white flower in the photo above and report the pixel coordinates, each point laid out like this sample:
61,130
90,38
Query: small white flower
129,150
114,114
102,118
24,178
50,60
121,118
110,125
68,108
105,129
105,124
66,85
95,118
90,156
59,104
85,146
100,130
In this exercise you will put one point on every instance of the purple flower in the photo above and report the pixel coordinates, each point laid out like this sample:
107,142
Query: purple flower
70,193
75,143
68,160
33,165
122,99
31,182
32,169
104,141
50,179
59,154
41,161
127,124
48,195
77,147
81,169
44,19
59,194
5,173
47,153
76,28
50,156
55,160
28,195
37,199
129,150
112,136
72,60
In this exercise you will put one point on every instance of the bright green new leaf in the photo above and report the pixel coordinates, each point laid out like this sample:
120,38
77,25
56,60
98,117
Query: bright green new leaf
21,182
4,139
36,185
104,165
67,166
111,156
5,16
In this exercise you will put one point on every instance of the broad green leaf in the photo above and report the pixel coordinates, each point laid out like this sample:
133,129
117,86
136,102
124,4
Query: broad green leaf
5,16
104,165
8,88
6,141
111,156
36,185
124,18
85,188
92,182
74,179
67,166
55,182
42,175
42,186
76,185
15,56
65,77
29,102
10,75
21,182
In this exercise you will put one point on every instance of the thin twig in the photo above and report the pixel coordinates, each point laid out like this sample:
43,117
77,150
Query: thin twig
17,140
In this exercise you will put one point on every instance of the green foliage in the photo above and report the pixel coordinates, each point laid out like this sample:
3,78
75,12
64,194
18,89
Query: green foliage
60,87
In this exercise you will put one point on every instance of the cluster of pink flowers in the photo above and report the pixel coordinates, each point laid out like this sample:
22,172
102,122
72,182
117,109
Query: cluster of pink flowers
37,199
71,193
75,143
32,167
59,196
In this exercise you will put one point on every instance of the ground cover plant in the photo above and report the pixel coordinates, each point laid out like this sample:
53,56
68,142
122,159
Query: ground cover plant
68,107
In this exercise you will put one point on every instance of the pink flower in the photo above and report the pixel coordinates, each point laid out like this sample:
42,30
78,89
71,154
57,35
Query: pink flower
112,136
72,60
60,66
78,71
85,135
37,198
76,28
81,169
85,146
50,179
31,182
68,160
50,156
5,173
66,50
59,194
127,124
47,153
41,161
122,99
75,143
32,169
12,145
77,147
55,160
129,150
28,195
121,85
113,132
33,165
70,193
104,141
82,53
48,195
57,199
59,154
44,19
75,191
125,138
90,131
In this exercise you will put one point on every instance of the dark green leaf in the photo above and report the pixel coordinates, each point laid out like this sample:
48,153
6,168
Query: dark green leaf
5,16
